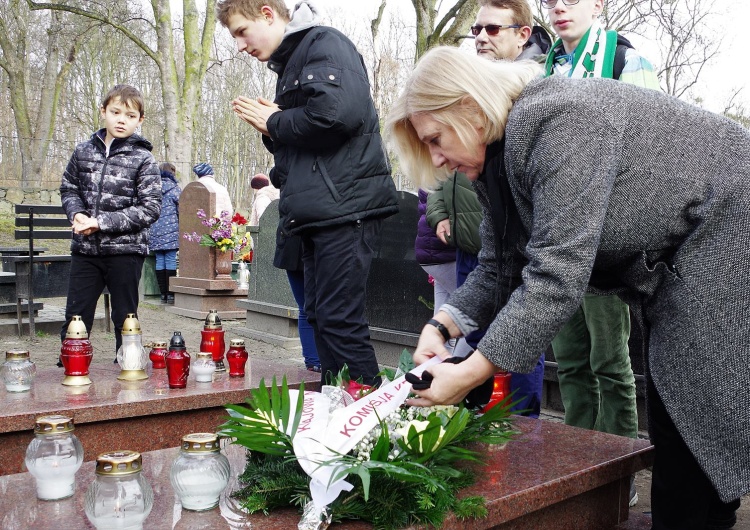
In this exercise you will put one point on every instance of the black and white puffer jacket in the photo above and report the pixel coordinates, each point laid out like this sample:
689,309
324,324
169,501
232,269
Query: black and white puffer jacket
122,190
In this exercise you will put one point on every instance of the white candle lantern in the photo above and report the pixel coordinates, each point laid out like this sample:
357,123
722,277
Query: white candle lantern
204,367
132,356
18,371
120,497
200,473
53,457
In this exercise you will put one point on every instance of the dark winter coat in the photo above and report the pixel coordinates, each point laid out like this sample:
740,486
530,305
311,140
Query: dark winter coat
428,248
164,234
122,191
330,164
636,193
456,200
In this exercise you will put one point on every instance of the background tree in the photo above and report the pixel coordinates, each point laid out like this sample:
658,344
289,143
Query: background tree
181,71
449,30
35,80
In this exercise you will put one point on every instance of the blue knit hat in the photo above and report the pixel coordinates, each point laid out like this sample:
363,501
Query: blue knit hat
203,169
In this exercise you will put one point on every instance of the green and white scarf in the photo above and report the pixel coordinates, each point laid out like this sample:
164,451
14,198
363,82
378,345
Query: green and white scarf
593,57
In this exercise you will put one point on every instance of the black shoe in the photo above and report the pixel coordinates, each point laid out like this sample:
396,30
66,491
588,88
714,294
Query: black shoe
170,299
163,299
59,362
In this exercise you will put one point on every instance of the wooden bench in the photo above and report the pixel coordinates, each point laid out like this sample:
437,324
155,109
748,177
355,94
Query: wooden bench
41,222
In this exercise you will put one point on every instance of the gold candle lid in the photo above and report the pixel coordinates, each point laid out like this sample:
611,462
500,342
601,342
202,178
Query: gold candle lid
212,320
53,424
76,329
159,344
200,442
236,343
16,355
204,355
131,326
118,463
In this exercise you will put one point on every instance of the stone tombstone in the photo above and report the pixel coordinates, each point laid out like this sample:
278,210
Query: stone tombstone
195,261
269,283
397,288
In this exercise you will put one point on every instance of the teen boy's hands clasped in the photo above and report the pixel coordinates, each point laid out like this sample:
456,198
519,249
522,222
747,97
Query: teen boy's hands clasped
85,225
255,112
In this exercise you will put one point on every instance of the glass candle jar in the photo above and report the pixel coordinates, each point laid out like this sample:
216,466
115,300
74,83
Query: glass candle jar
200,473
76,353
53,457
204,367
18,371
178,362
120,496
212,339
131,356
237,358
157,355
243,275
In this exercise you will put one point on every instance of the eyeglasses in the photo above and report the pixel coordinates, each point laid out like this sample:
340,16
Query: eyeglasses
549,4
493,29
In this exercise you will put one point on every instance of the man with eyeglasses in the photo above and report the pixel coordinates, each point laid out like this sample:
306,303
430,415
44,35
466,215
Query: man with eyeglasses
504,29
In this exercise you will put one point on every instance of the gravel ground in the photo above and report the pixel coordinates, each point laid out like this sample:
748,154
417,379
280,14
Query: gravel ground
158,324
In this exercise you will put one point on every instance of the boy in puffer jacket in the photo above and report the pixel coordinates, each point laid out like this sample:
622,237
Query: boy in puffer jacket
111,193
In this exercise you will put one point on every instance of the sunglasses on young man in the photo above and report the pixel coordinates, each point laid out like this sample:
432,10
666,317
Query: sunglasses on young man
492,29
549,4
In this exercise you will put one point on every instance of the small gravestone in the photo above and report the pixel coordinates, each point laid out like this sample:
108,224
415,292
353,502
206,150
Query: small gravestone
271,284
196,288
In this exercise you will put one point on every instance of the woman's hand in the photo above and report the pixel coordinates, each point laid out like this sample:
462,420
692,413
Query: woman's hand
452,382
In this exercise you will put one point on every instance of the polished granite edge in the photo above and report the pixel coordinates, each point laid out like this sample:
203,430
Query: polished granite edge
108,398
550,468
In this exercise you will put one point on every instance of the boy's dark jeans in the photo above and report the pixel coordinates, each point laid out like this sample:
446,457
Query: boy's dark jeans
337,262
88,277
682,497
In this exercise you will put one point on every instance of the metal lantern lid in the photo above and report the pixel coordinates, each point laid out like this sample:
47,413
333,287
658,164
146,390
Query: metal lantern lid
17,355
159,344
76,329
201,442
212,320
118,463
131,326
203,355
177,342
236,343
53,424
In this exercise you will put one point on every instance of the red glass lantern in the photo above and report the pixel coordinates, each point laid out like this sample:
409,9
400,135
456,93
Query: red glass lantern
157,354
178,362
237,357
500,390
76,353
212,339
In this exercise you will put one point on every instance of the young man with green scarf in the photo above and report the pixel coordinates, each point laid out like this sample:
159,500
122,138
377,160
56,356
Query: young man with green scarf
596,380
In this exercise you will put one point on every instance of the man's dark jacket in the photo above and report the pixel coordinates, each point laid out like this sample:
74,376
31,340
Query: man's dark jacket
330,163
121,190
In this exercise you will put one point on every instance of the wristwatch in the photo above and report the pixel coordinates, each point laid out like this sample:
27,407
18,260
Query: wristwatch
441,328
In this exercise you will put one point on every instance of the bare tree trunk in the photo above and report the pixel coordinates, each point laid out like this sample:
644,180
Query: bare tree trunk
449,31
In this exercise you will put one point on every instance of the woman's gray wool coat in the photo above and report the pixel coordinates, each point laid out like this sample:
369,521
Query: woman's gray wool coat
633,192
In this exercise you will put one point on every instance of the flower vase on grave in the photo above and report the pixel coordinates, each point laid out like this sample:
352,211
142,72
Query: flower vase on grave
76,354
223,264
131,355
212,339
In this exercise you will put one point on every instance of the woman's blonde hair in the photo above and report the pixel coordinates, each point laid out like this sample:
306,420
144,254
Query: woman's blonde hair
458,90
